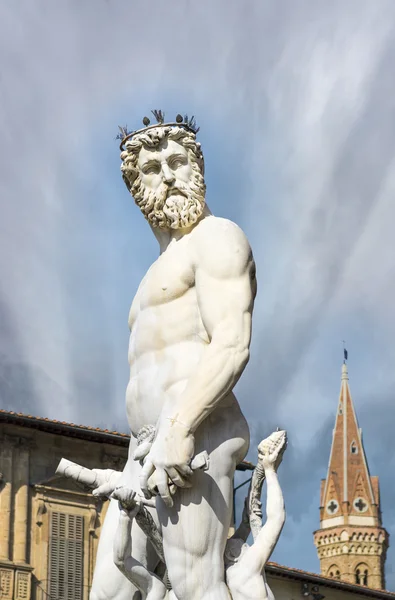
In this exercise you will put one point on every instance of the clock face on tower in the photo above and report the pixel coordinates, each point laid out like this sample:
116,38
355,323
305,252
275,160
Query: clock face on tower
332,507
360,505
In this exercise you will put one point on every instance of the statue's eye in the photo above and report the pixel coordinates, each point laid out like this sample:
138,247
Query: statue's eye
151,168
177,162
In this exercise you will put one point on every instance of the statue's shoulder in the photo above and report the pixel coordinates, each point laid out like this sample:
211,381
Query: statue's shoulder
220,241
218,229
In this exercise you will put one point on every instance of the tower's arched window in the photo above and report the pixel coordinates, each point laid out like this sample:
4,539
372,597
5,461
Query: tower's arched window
334,572
354,447
362,574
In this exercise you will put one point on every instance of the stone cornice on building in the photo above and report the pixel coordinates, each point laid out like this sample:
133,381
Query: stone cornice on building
84,432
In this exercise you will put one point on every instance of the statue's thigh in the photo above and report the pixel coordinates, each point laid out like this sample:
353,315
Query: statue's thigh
195,529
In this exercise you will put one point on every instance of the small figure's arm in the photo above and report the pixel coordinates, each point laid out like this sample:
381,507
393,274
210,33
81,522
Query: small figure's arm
102,481
150,586
245,564
261,550
270,453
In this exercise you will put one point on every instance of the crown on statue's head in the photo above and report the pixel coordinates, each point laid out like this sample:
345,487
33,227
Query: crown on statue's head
186,122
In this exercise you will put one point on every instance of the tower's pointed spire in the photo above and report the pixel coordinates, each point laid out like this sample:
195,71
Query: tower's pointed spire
347,463
344,372
350,501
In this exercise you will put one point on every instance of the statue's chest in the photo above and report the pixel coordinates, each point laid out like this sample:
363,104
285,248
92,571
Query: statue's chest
169,278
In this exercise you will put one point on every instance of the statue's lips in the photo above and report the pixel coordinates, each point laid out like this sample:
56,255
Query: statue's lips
175,192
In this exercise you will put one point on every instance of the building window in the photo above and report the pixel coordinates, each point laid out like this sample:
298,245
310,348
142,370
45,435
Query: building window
332,507
361,575
66,556
354,448
360,505
334,572
6,578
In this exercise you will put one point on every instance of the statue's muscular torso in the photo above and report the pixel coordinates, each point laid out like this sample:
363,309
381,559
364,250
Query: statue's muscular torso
190,331
167,336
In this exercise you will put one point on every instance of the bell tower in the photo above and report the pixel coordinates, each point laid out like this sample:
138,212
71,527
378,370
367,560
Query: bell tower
351,542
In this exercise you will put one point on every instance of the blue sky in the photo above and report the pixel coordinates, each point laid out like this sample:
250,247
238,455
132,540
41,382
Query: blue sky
296,105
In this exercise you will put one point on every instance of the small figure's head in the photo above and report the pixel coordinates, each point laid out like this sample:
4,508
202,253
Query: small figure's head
163,169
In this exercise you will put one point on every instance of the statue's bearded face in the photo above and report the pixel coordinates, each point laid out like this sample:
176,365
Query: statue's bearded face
169,187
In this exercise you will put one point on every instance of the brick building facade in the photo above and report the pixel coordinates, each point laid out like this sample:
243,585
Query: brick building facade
50,528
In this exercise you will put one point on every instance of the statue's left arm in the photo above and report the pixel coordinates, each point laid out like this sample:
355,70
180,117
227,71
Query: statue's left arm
225,289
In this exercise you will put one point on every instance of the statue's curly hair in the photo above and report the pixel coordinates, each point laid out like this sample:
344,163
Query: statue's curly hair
151,139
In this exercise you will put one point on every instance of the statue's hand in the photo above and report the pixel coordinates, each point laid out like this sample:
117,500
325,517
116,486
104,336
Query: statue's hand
271,450
169,461
145,439
127,499
106,482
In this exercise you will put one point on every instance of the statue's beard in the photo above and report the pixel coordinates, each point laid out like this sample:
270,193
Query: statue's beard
172,207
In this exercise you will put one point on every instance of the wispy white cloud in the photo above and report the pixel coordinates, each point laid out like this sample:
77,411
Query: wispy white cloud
296,103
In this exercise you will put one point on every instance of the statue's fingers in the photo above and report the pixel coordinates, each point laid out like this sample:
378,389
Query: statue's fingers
145,474
162,482
103,490
184,470
124,494
117,493
132,512
142,451
177,478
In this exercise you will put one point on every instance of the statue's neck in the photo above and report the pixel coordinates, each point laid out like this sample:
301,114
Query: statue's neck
166,236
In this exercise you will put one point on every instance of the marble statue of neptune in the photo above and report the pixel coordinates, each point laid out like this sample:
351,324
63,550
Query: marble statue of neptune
190,330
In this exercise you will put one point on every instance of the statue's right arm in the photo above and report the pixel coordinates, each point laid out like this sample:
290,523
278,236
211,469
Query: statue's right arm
225,288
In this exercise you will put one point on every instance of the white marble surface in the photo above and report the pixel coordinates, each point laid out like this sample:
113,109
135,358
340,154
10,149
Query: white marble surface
190,330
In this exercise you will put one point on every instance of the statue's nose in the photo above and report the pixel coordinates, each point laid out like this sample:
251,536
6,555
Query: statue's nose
168,176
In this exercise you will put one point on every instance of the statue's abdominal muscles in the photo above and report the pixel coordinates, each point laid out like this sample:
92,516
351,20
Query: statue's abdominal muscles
167,338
